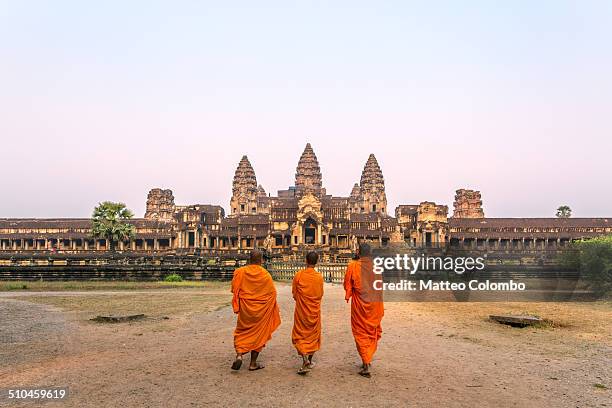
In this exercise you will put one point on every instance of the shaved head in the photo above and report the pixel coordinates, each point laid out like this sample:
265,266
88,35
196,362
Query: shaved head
312,258
365,250
256,257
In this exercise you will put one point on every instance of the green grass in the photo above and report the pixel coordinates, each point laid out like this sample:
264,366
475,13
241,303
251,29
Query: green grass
38,286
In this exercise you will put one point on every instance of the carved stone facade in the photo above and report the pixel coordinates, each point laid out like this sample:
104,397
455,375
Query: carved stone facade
308,177
468,204
160,205
245,190
425,224
372,197
303,217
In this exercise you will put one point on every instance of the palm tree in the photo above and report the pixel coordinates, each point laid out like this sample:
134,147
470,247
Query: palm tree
564,212
109,221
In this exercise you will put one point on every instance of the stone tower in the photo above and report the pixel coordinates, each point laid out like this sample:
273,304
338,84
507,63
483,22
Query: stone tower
308,177
468,204
355,199
160,205
372,186
261,192
244,189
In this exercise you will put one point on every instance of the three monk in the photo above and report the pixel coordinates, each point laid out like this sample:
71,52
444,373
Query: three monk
254,302
367,307
307,291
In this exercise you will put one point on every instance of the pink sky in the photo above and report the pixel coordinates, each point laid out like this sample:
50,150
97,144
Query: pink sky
515,102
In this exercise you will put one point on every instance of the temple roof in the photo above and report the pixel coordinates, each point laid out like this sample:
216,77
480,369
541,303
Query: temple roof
372,177
261,191
70,223
529,222
356,191
308,173
244,178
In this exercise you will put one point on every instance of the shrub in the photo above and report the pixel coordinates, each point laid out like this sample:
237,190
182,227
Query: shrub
175,277
593,258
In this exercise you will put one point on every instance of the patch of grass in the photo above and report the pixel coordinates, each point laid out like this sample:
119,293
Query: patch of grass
43,286
544,324
14,286
600,386
174,277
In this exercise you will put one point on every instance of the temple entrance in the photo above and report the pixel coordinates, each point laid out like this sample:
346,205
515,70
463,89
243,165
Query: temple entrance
428,239
310,232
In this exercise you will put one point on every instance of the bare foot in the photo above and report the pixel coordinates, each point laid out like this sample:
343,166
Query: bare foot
365,371
237,362
310,364
255,367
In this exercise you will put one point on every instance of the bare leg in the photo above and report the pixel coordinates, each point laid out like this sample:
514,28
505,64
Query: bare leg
237,362
304,368
365,370
254,365
310,363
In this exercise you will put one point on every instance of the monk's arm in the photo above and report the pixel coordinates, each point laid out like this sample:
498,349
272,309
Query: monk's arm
348,285
236,291
295,284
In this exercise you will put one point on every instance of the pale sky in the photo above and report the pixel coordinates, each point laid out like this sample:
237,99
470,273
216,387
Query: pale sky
105,100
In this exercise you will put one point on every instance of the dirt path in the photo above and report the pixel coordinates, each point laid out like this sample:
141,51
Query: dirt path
423,360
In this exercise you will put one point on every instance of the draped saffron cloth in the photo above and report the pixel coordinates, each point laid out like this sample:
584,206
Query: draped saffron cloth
307,292
367,308
254,301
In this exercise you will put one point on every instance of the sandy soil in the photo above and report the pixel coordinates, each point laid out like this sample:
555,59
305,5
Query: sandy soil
430,355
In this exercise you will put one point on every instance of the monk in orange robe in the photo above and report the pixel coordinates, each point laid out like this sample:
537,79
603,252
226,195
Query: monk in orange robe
254,302
367,307
307,292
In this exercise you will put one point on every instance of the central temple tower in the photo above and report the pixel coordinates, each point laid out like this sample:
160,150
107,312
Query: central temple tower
308,177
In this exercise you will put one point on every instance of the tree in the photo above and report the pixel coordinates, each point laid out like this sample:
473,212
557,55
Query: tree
110,221
564,212
593,259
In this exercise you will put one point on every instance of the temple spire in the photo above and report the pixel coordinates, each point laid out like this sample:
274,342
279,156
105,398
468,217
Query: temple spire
372,186
244,189
244,177
308,177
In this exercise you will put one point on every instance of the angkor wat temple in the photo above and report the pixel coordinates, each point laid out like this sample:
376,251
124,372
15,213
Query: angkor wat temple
303,217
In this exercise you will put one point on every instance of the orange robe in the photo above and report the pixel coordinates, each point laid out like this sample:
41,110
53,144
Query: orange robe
254,301
307,292
367,308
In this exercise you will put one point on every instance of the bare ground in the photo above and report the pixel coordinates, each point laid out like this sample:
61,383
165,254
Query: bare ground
431,354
